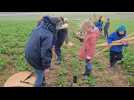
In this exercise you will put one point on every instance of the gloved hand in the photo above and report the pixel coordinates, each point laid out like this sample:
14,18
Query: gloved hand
125,43
46,71
88,59
81,40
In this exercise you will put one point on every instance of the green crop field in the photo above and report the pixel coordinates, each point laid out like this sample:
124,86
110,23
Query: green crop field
14,32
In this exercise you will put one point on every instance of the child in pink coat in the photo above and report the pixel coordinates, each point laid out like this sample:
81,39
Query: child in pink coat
87,51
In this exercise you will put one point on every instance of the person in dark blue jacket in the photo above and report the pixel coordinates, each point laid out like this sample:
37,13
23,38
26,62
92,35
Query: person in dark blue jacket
38,49
116,51
59,40
99,24
106,27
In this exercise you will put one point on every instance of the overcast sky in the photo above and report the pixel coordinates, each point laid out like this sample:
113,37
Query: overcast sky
128,15
62,13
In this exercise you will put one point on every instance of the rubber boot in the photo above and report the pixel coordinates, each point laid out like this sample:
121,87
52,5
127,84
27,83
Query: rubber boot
87,73
58,62
44,82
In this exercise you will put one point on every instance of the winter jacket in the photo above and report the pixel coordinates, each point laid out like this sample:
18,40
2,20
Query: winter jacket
113,37
88,48
38,49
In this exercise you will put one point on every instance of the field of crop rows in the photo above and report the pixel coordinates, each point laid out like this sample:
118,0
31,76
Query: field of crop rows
14,35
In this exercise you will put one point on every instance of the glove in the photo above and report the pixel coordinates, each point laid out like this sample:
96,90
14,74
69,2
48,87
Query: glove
124,43
46,71
81,40
88,58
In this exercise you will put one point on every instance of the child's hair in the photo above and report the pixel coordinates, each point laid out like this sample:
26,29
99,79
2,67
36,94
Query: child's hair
88,22
62,18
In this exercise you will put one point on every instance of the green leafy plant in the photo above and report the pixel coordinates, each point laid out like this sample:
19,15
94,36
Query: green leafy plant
91,81
2,64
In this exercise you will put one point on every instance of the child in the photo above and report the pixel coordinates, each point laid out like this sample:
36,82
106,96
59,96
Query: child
106,27
88,48
67,36
99,24
38,49
116,51
61,36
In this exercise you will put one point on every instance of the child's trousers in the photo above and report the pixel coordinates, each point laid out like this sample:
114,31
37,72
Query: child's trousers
58,53
106,33
114,57
88,67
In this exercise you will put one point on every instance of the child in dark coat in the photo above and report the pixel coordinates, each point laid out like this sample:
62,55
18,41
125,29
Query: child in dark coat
61,36
116,51
99,24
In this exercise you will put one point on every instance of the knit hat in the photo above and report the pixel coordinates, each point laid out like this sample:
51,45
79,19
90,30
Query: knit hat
121,28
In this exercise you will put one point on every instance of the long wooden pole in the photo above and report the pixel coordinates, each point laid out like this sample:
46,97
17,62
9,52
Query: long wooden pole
118,42
113,44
